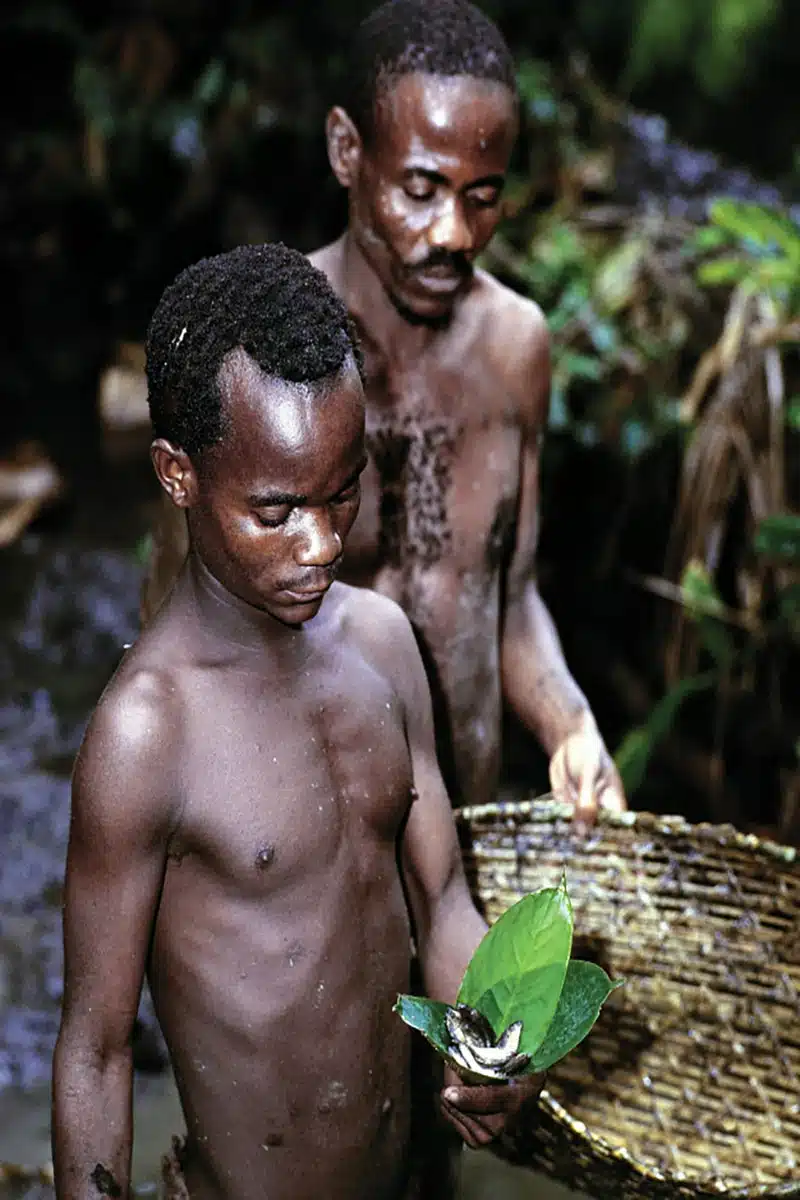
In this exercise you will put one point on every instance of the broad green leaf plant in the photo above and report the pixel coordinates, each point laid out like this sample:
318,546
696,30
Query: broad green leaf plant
523,1004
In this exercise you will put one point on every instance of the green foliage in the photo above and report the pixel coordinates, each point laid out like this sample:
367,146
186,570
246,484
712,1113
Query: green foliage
634,754
778,537
428,1017
586,989
612,354
712,38
521,972
762,251
517,972
703,605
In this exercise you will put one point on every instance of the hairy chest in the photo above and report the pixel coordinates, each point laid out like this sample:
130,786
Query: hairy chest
444,472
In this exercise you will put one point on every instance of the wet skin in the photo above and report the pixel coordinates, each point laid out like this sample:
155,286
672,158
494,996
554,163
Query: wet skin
258,769
458,381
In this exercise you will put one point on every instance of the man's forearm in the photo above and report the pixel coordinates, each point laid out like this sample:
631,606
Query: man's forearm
536,679
92,1124
455,932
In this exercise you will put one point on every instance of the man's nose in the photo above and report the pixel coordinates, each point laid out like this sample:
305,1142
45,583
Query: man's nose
318,543
451,230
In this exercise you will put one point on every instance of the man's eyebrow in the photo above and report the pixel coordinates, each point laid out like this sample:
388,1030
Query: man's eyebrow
352,478
275,499
426,173
496,181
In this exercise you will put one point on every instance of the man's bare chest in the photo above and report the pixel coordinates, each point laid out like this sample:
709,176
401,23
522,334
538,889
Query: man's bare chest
444,472
280,774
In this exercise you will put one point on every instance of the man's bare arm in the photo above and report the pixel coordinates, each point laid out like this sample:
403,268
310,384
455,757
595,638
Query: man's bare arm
122,814
447,924
536,679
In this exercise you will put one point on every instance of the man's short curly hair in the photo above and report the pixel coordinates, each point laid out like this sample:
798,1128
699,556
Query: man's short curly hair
434,37
268,300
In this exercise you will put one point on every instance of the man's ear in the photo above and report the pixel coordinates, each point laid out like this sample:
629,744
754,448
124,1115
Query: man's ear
344,146
175,472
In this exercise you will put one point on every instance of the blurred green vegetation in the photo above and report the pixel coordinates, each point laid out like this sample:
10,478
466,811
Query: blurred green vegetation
139,137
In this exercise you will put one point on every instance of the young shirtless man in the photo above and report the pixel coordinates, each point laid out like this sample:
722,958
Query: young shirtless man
258,817
458,384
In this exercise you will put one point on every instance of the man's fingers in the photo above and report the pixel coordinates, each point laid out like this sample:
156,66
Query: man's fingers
485,1100
481,1114
468,1129
612,795
559,781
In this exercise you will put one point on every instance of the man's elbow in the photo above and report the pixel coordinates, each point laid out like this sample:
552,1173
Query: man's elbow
91,1050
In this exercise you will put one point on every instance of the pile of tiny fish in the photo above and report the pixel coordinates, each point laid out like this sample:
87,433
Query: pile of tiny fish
474,1047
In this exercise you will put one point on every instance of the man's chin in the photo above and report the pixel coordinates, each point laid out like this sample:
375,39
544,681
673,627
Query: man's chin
435,311
296,612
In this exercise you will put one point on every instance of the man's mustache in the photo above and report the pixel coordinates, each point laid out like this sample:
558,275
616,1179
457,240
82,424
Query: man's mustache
452,261
316,580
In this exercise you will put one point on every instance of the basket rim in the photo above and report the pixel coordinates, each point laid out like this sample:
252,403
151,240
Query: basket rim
546,810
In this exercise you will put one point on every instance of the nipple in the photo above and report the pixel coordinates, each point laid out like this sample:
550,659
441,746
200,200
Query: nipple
265,857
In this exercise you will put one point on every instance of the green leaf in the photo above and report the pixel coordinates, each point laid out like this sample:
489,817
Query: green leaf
789,603
793,414
755,223
427,1016
633,756
531,998
700,596
709,237
586,989
717,641
518,969
581,366
778,536
703,603
722,271
618,275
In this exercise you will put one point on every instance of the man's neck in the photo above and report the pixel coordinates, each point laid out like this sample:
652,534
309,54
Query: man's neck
371,307
229,619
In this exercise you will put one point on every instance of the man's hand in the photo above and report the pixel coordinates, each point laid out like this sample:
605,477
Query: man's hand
482,1114
583,774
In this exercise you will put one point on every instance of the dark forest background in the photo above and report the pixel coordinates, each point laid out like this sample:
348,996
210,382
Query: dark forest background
651,213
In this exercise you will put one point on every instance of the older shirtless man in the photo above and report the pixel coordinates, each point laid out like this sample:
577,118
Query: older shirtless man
258,816
458,383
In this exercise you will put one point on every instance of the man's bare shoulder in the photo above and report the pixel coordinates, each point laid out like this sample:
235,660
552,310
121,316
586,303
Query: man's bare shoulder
328,259
132,737
515,322
365,609
514,331
376,624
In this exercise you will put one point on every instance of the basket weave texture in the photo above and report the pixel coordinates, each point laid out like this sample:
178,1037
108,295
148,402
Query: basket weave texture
689,1084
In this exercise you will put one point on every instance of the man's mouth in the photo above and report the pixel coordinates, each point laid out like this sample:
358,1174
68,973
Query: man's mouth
307,595
437,280
442,277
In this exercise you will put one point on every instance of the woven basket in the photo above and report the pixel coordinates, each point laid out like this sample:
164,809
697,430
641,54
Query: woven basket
689,1084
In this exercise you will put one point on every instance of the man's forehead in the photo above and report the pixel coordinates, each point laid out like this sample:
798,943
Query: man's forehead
267,413
445,112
